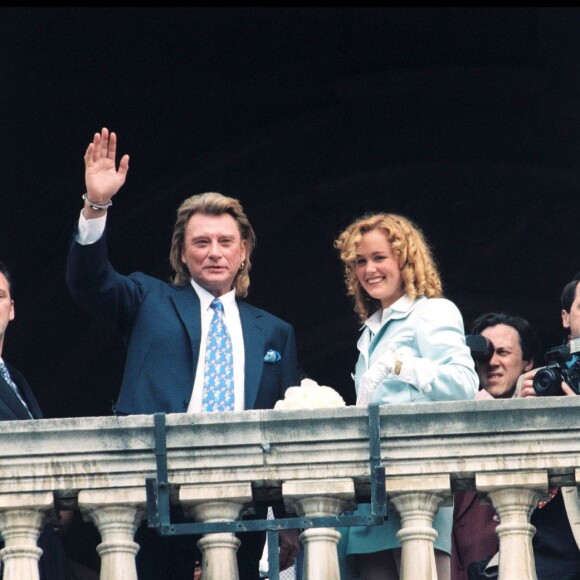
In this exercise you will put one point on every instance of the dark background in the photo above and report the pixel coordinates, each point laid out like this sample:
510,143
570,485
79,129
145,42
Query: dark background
464,119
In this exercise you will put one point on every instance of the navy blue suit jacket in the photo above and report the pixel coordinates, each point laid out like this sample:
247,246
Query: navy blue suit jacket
161,326
11,408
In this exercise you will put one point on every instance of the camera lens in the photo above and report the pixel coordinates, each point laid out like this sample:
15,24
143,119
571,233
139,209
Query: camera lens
547,382
481,347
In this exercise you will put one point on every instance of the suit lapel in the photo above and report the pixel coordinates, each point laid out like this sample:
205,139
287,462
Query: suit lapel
254,350
11,398
187,305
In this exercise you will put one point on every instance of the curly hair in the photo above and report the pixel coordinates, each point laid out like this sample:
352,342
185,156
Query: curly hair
215,204
418,268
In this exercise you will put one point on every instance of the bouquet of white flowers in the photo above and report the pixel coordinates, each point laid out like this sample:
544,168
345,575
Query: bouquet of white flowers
310,395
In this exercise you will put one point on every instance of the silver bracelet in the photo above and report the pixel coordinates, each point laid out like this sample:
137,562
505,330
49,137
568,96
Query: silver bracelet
96,206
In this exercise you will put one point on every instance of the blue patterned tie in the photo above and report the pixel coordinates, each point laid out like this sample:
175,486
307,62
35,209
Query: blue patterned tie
6,376
218,391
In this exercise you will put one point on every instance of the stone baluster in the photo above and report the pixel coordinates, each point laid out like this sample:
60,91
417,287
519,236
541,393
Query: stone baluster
417,501
116,513
319,498
417,536
217,503
514,496
21,520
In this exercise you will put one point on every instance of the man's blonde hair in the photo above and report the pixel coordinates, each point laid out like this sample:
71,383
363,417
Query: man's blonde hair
215,204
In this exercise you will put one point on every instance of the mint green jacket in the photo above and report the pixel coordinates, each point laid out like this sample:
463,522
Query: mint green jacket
428,335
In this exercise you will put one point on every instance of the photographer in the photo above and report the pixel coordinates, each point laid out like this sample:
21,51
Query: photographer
570,302
511,348
556,542
503,347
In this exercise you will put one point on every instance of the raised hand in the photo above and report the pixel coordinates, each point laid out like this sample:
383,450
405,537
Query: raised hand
102,178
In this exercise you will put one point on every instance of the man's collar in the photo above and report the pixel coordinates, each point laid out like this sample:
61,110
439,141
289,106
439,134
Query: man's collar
206,298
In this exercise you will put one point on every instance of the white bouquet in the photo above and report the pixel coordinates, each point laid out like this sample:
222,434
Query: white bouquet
310,395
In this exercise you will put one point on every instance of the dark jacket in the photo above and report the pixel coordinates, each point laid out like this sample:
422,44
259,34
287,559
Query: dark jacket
53,564
473,536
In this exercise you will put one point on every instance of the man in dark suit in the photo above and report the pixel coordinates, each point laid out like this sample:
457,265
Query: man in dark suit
165,326
17,402
20,402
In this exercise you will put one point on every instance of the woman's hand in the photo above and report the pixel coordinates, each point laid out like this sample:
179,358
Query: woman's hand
375,375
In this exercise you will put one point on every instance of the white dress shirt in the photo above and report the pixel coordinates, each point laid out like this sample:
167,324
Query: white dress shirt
234,325
90,231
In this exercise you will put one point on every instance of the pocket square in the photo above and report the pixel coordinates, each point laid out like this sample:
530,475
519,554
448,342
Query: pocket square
272,356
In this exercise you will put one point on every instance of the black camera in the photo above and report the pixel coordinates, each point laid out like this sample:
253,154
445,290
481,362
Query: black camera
481,348
563,364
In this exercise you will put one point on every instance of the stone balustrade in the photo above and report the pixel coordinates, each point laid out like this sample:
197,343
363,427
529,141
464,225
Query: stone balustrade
511,451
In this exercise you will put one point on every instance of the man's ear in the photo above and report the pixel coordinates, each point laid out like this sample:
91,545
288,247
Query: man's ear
528,366
12,311
565,319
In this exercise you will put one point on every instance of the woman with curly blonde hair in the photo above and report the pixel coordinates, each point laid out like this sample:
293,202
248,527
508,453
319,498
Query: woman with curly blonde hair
412,349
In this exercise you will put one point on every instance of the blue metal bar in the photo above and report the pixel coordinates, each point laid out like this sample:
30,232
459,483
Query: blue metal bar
273,555
378,486
158,500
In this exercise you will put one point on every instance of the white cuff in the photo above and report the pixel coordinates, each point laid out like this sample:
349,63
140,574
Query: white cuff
90,231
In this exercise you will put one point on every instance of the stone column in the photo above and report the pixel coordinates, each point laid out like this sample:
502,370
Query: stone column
21,520
514,496
417,500
217,503
319,498
116,513
417,536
